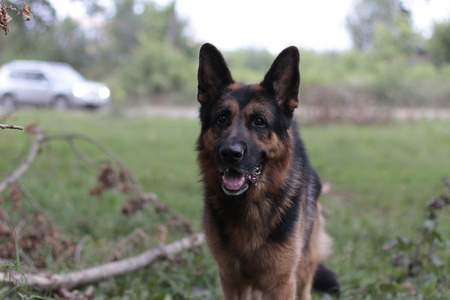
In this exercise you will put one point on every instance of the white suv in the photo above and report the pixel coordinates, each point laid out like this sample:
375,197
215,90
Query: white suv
48,83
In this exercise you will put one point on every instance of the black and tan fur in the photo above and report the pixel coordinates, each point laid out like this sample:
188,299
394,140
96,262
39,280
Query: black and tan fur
262,219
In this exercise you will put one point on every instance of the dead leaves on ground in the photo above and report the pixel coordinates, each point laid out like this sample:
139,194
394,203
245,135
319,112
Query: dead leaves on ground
109,178
37,240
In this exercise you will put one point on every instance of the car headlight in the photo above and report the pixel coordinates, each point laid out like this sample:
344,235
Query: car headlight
104,92
79,91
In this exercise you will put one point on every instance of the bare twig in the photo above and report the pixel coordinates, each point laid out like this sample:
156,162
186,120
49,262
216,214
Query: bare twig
80,248
8,126
415,261
137,187
33,201
83,156
59,182
127,240
71,137
26,164
95,274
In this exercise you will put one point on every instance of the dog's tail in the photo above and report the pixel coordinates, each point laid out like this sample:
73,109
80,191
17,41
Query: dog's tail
325,281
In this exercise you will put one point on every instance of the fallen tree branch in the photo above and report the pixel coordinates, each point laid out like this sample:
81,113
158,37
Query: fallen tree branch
7,126
45,281
52,282
22,169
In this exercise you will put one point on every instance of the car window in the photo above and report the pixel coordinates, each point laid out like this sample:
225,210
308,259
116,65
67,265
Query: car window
17,75
27,75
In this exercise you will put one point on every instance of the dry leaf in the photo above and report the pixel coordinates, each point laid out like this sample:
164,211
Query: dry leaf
26,11
4,18
31,128
15,195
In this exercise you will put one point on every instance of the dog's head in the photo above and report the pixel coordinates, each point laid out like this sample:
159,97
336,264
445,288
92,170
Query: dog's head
245,128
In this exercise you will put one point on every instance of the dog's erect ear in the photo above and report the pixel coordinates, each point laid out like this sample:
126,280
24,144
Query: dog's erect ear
213,72
283,79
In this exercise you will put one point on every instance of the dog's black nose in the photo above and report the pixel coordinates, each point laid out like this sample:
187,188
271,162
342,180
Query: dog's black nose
232,153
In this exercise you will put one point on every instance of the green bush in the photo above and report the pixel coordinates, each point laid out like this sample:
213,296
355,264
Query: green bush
156,68
439,44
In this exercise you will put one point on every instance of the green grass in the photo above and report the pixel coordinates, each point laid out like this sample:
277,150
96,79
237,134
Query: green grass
381,180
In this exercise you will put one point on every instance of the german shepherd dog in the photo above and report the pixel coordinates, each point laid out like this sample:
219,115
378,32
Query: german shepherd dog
262,220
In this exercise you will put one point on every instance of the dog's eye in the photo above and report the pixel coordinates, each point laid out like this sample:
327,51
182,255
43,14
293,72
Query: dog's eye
259,122
221,119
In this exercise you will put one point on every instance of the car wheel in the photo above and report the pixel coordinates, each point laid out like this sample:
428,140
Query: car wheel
60,103
8,102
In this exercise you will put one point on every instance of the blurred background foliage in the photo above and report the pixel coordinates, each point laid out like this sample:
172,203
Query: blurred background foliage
148,56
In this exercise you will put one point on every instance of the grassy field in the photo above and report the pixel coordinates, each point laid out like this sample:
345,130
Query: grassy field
380,180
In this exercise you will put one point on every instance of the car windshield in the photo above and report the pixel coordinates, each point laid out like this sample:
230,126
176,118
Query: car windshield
67,74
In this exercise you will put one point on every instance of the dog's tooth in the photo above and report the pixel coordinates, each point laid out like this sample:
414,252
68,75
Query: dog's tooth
225,173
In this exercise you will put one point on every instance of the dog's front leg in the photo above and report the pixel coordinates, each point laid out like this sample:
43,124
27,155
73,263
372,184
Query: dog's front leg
285,290
234,289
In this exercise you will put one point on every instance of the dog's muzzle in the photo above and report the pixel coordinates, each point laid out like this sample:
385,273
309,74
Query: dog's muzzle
236,173
235,183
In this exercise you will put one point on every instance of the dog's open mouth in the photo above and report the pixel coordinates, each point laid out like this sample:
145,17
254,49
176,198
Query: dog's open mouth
235,183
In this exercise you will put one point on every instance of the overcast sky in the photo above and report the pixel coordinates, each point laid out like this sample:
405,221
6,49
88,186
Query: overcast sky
273,25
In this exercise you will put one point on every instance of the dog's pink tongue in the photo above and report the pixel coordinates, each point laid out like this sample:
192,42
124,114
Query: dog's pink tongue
233,180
